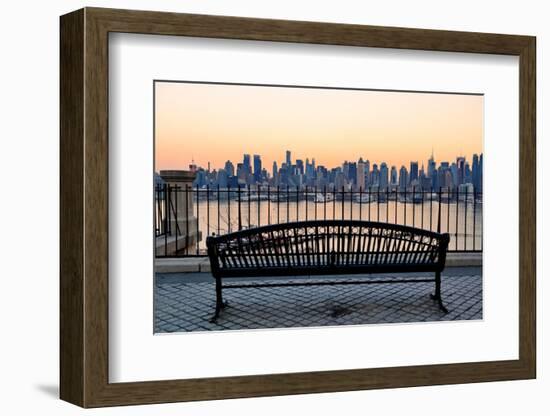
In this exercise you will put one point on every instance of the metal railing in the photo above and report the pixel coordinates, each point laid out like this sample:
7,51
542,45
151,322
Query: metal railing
184,216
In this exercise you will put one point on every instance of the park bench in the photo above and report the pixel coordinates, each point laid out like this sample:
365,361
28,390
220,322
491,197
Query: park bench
325,247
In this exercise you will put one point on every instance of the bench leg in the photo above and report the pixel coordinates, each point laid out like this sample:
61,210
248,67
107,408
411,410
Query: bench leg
220,304
437,294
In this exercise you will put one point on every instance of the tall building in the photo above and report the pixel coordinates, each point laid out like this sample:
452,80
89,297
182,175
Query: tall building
383,181
460,170
352,173
413,174
480,167
475,171
257,168
393,176
375,175
241,172
361,174
274,170
455,175
431,166
441,175
246,165
403,178
288,159
339,180
449,181
223,178
345,170
467,174
300,166
229,168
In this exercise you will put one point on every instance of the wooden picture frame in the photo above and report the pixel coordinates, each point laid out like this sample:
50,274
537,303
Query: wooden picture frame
84,207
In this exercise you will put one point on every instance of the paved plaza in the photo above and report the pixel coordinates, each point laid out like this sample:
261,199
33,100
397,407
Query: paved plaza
185,302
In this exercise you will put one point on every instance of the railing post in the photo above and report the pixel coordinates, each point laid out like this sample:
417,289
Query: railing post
287,204
258,204
197,196
343,202
228,194
218,208
456,219
413,204
449,211
207,209
175,190
395,206
166,219
182,224
431,209
297,206
324,202
370,200
360,203
474,226
306,203
186,220
248,207
351,204
334,202
422,208
278,204
239,208
465,218
268,204
439,212
387,205
378,202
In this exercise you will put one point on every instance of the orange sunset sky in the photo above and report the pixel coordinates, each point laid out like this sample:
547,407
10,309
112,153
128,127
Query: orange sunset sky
214,123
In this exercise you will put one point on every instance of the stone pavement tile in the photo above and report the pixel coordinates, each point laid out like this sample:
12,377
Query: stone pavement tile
182,305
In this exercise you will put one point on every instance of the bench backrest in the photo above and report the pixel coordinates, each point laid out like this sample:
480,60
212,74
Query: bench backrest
326,247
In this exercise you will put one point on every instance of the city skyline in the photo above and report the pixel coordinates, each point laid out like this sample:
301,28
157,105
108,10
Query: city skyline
361,174
213,123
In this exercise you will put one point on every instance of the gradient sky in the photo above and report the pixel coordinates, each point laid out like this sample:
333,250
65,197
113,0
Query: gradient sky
214,123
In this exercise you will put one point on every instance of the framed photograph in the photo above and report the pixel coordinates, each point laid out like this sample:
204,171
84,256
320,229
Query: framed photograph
254,207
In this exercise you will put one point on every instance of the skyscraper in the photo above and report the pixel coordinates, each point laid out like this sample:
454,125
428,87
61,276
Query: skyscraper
375,175
345,169
288,159
431,166
300,166
229,168
475,171
361,174
352,173
455,175
241,172
222,178
383,181
403,178
413,174
257,168
246,165
480,168
460,170
393,176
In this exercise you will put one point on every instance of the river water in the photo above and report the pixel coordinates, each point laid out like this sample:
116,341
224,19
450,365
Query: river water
462,219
